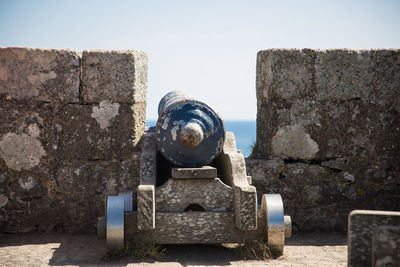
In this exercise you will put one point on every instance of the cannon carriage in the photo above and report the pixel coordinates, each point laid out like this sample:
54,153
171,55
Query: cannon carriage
193,186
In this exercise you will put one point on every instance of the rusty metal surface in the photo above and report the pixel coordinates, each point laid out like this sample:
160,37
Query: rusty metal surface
189,133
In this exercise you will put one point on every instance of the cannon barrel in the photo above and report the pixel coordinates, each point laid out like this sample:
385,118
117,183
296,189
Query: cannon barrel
189,133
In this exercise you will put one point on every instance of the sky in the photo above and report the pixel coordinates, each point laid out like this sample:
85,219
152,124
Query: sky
206,48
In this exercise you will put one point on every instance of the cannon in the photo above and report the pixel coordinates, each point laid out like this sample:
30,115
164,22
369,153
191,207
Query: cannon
188,132
193,186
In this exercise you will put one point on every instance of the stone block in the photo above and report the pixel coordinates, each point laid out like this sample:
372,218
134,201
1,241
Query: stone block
245,205
319,197
351,99
148,163
26,164
361,228
194,228
23,200
386,246
26,135
104,131
264,172
343,74
284,74
181,194
230,142
309,130
114,75
47,75
385,83
146,207
81,188
67,199
205,172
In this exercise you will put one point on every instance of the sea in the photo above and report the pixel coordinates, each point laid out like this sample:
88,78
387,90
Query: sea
244,131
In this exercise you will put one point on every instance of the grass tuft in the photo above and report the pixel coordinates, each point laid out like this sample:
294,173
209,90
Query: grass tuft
255,250
136,250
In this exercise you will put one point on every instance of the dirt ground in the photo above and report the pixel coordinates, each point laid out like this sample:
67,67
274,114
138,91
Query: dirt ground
315,249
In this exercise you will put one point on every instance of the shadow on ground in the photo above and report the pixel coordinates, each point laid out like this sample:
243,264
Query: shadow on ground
63,249
317,239
80,250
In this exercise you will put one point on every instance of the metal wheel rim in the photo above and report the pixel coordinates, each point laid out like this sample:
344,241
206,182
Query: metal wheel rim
272,205
115,222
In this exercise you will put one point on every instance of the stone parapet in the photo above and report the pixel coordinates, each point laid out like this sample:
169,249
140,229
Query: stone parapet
373,238
70,126
328,132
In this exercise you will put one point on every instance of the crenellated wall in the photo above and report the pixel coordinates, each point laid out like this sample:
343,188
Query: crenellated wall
328,132
70,124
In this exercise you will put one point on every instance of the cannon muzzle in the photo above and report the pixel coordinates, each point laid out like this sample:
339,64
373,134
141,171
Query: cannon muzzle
189,133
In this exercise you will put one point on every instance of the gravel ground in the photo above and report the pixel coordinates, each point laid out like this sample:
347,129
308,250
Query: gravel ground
317,249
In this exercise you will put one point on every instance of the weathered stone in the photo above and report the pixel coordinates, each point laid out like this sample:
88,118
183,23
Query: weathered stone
146,207
148,163
26,135
4,176
129,172
344,116
385,246
317,197
362,224
70,199
264,172
114,75
309,130
179,194
335,164
339,117
59,157
27,203
102,227
386,86
194,228
230,142
232,166
30,185
3,200
245,204
82,187
65,199
107,131
284,73
294,142
343,74
48,75
205,172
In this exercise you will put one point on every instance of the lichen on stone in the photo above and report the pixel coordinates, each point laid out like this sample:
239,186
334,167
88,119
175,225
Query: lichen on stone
21,151
294,142
104,113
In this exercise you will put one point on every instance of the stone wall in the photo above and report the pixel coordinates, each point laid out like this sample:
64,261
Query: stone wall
70,124
328,133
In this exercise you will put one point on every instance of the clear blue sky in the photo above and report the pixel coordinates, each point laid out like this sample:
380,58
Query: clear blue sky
207,48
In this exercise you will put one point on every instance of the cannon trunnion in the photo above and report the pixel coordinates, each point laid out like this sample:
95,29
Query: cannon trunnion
193,186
